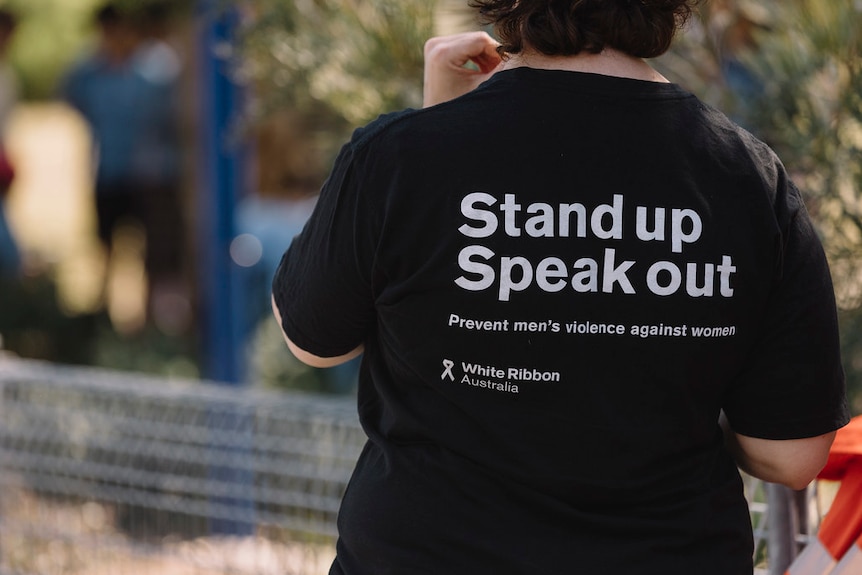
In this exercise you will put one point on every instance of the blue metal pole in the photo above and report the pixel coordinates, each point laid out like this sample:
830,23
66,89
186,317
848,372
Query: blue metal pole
221,181
221,185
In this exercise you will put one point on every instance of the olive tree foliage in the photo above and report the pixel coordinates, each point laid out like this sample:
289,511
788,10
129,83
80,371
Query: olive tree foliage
811,112
338,62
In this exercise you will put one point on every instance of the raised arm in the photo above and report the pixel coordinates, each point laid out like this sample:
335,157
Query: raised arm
447,75
791,462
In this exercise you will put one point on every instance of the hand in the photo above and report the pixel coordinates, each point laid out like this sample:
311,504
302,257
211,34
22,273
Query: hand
446,76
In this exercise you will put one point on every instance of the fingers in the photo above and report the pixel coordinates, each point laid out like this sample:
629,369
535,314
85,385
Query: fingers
446,76
459,48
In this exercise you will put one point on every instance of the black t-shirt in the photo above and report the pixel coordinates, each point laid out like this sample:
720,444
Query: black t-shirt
560,279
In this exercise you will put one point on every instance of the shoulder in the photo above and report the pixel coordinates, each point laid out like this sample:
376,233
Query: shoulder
746,148
384,126
722,146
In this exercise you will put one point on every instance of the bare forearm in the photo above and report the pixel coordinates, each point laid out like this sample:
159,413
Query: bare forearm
793,462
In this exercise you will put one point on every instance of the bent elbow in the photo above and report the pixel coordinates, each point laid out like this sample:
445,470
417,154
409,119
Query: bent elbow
794,463
798,482
799,475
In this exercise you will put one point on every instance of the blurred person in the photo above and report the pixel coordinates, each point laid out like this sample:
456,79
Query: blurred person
126,90
738,40
583,299
10,258
158,159
105,89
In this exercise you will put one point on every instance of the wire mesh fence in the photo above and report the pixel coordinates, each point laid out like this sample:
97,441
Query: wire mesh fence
102,472
114,473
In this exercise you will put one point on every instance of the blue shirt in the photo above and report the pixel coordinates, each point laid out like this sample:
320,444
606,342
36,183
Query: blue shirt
132,119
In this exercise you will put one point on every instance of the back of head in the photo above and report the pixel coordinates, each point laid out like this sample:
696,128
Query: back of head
119,37
641,28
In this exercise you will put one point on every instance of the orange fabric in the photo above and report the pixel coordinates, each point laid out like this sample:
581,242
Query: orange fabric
846,449
843,524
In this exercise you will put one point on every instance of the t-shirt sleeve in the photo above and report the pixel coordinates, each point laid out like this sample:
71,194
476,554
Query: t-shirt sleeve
322,286
793,383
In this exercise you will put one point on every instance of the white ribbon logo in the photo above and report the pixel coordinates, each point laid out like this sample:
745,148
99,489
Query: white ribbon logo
448,364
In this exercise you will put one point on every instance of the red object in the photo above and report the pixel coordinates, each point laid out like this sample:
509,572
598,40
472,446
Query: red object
842,525
846,450
7,173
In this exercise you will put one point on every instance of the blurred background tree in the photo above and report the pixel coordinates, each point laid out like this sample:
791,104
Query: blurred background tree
339,63
50,34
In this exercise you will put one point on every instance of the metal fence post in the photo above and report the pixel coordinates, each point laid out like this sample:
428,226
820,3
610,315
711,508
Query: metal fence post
221,181
783,521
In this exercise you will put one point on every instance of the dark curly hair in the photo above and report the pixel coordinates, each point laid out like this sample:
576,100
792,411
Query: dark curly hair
641,28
